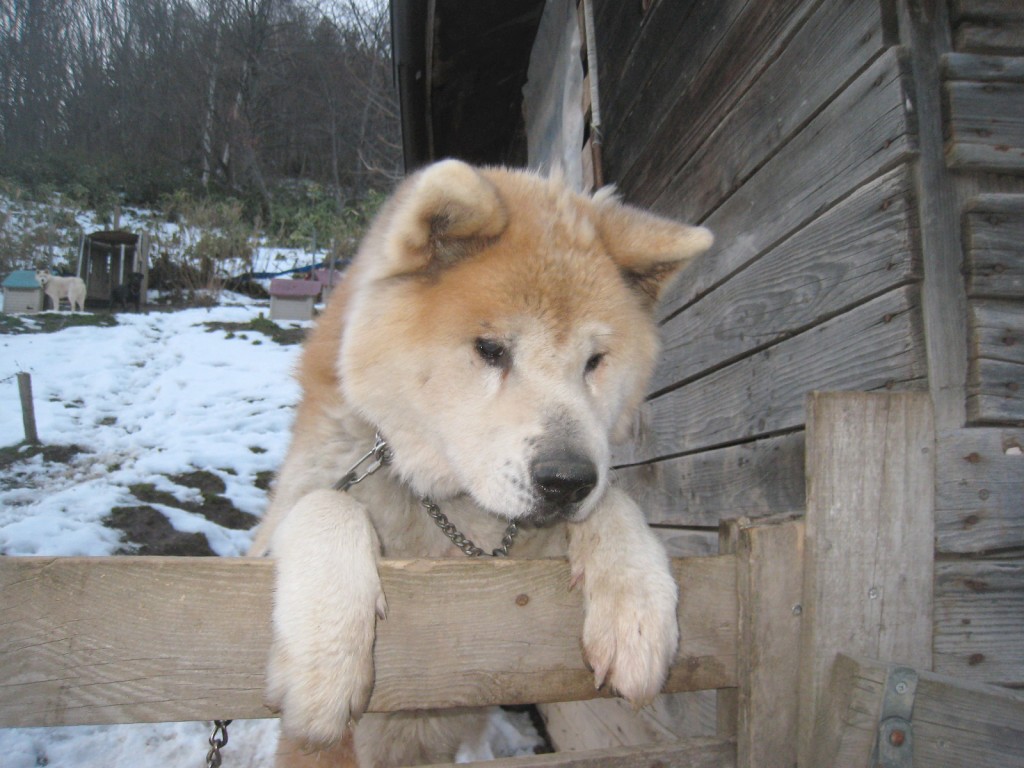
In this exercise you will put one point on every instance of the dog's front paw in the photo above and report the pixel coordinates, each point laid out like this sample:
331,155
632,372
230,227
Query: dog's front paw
321,685
327,599
630,632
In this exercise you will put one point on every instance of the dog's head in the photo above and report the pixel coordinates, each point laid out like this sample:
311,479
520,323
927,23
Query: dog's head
499,332
42,277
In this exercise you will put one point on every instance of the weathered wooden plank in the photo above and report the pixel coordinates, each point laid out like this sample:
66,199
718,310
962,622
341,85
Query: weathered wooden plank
750,479
984,69
690,753
807,175
994,246
861,248
711,157
687,542
869,538
924,30
995,393
985,126
1007,204
1006,37
729,44
645,57
979,620
985,158
997,330
987,10
954,723
996,366
106,640
879,345
609,723
979,491
770,583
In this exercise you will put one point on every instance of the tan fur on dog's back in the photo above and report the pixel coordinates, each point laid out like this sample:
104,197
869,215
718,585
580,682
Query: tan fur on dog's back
493,325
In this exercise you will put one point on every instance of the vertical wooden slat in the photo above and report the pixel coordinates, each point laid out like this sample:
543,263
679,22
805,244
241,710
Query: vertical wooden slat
868,559
769,585
924,32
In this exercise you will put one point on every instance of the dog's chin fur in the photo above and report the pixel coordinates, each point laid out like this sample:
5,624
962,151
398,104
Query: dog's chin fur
497,329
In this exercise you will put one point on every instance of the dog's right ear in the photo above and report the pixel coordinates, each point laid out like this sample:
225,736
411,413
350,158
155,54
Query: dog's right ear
442,214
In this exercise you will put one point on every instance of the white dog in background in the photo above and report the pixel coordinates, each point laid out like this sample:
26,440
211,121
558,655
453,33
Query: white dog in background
57,288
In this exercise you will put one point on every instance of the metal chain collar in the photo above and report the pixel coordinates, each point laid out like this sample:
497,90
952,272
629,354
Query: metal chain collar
381,455
466,545
218,740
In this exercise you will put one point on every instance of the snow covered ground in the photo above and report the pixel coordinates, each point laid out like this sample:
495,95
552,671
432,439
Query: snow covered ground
156,396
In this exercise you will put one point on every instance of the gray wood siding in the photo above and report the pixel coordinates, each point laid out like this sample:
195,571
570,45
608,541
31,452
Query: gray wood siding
862,167
785,129
994,274
979,516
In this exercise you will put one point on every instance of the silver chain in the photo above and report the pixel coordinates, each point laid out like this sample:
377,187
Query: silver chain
381,454
466,545
218,741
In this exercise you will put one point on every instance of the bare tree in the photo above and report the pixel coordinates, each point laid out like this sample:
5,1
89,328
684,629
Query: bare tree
230,94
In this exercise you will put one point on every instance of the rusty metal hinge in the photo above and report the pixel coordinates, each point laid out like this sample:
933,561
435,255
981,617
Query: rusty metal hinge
894,743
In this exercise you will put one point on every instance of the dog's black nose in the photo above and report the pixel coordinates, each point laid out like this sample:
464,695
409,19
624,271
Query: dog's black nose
563,478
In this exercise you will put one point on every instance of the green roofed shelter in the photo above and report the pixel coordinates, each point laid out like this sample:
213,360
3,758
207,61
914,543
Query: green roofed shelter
22,293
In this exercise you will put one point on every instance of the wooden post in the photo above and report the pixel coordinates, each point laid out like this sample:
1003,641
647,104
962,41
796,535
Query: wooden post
869,546
28,414
769,581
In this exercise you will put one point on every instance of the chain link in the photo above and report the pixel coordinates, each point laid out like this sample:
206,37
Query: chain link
218,740
381,455
467,547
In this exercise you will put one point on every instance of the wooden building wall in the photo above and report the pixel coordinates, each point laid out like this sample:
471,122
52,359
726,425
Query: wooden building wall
862,166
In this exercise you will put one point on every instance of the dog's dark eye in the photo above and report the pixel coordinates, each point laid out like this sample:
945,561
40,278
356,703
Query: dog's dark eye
593,362
492,352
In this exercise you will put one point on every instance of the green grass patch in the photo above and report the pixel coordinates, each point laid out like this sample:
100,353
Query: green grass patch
51,322
284,336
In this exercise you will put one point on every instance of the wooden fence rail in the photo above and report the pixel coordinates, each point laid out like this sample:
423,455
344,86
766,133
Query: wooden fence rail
152,639
130,639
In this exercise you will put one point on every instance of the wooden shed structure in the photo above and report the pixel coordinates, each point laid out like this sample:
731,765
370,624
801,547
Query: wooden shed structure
861,164
106,261
834,442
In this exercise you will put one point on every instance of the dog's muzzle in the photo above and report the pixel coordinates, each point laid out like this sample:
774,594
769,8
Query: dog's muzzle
562,480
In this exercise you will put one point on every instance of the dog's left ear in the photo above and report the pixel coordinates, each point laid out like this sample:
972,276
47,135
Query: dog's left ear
444,213
649,250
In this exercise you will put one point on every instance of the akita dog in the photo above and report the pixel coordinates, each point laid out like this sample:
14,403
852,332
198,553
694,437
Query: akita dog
496,330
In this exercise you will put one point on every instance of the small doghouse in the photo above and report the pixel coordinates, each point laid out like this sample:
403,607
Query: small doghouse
107,260
293,299
22,293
